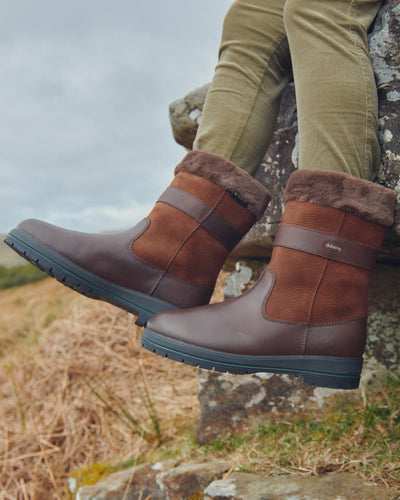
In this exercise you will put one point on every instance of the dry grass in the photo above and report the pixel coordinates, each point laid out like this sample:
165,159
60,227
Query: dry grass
77,388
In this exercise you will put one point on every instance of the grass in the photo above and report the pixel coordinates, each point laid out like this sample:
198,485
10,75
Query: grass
80,398
76,389
359,437
19,275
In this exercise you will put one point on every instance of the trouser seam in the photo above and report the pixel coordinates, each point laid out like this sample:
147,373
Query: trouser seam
366,167
277,46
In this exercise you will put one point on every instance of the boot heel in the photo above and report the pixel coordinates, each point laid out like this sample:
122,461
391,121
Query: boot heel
331,381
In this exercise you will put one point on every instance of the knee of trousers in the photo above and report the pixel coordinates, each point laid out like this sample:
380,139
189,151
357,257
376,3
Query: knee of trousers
295,12
253,24
300,15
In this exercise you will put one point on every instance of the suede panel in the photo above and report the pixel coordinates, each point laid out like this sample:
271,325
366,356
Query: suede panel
238,217
312,289
177,244
169,227
199,260
362,230
312,216
342,294
297,275
343,291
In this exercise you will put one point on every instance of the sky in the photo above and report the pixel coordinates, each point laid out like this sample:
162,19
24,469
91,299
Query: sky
85,138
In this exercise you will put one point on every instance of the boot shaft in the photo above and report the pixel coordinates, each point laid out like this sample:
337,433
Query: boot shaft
183,246
319,289
209,206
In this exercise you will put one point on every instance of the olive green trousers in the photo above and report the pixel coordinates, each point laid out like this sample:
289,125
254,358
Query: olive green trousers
322,45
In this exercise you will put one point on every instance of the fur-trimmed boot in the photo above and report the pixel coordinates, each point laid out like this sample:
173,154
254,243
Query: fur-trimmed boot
307,314
171,259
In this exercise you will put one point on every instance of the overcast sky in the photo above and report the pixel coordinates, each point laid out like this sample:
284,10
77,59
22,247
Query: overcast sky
85,139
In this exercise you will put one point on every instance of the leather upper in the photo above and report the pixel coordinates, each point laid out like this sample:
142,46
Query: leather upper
174,254
241,326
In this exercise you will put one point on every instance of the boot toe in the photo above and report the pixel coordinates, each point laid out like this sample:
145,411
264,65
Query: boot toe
42,231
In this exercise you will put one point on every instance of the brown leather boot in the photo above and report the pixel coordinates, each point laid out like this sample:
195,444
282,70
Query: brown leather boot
307,314
171,258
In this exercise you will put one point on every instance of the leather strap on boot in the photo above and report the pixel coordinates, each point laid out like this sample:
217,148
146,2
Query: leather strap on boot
207,217
327,246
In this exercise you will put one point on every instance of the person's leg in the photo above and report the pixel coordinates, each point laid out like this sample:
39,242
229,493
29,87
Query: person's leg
335,87
242,104
307,315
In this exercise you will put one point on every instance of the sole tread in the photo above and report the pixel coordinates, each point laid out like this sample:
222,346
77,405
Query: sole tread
327,380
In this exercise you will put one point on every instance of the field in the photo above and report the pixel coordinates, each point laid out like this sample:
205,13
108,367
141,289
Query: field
77,389
80,397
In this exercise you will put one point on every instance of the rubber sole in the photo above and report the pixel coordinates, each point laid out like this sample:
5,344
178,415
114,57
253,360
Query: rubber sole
82,281
319,371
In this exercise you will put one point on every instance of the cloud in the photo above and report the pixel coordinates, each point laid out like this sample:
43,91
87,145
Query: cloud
102,218
85,86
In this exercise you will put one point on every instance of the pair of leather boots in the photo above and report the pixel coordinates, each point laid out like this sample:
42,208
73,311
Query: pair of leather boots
305,316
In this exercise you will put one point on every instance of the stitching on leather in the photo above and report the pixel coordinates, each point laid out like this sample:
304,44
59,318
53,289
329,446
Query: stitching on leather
368,125
209,212
337,323
174,278
281,321
264,302
332,236
179,280
197,200
143,262
304,339
328,257
183,244
336,258
323,274
137,236
303,326
271,272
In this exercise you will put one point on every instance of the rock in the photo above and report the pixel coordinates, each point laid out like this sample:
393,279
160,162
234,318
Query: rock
189,480
384,42
237,282
185,114
338,486
383,344
162,481
236,403
281,157
135,482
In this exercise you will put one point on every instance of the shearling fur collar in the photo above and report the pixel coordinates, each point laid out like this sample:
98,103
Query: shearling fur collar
228,176
339,190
